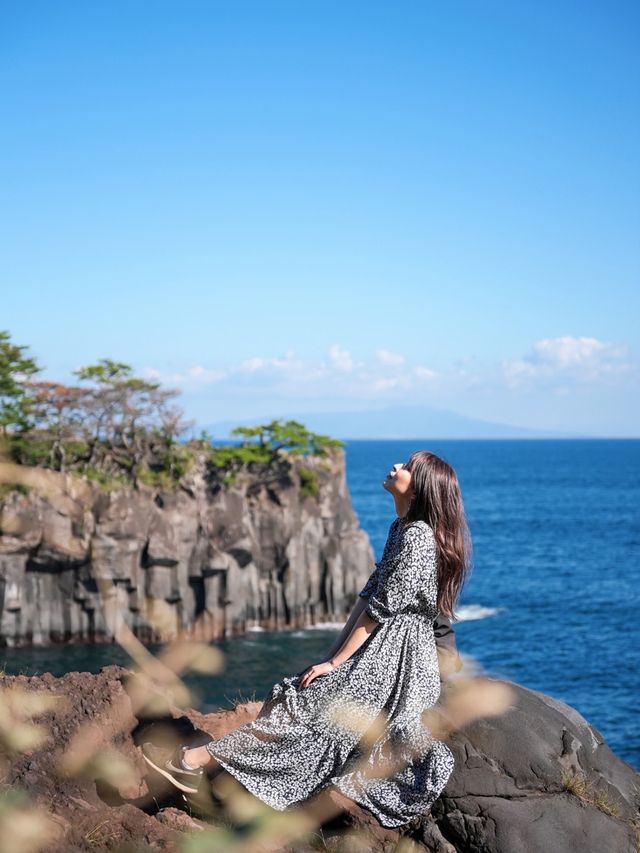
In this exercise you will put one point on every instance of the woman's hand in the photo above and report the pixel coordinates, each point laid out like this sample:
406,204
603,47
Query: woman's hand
313,671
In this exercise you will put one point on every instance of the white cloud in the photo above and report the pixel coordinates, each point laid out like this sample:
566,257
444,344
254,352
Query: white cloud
195,375
424,372
385,356
204,374
578,358
389,384
557,365
282,374
286,364
341,358
569,352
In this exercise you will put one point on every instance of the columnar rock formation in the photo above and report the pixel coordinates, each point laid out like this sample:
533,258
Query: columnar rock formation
74,558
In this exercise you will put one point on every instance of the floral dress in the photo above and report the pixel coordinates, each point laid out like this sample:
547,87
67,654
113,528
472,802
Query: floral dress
306,738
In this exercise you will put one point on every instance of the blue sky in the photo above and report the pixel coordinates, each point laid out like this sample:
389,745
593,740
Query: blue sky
330,206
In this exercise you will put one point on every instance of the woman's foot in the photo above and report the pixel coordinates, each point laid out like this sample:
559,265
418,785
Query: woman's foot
196,757
172,765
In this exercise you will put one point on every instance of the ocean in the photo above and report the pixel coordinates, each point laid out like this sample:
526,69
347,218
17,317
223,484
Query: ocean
551,600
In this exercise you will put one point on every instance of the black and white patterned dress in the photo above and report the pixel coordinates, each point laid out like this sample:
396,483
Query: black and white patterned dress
306,738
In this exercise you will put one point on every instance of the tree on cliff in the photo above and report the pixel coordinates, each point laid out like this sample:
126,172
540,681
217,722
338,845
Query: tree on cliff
265,450
129,425
117,428
57,414
15,367
291,436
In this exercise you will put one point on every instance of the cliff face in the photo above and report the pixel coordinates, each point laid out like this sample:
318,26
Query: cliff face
217,559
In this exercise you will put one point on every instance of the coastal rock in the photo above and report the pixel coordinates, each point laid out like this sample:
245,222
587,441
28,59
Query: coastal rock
207,560
514,787
65,809
538,778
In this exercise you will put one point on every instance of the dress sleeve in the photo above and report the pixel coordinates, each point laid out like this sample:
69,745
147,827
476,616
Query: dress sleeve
398,580
371,584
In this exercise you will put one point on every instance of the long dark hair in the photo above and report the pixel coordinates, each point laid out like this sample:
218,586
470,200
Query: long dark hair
437,499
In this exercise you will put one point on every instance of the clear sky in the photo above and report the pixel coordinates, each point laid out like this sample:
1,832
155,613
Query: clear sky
330,205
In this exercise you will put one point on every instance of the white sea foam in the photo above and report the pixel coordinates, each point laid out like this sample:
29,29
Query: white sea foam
465,614
469,612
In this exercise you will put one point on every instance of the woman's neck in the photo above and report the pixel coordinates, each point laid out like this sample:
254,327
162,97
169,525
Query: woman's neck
402,505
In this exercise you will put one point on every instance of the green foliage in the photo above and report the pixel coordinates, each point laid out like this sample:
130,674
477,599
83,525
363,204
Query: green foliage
7,488
105,372
172,461
156,479
121,431
309,486
15,405
232,456
107,482
274,440
29,448
266,446
289,435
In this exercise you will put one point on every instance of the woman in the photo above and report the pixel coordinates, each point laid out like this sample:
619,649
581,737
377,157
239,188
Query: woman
383,666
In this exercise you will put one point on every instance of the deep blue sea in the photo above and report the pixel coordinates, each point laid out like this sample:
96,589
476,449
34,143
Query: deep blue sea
552,599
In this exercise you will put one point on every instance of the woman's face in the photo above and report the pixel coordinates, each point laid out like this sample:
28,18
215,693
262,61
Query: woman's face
398,480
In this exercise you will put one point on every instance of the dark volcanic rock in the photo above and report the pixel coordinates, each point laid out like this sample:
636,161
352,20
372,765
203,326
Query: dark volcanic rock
219,560
511,788
507,794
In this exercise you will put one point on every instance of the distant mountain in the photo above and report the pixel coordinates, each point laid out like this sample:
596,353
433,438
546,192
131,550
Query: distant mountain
392,422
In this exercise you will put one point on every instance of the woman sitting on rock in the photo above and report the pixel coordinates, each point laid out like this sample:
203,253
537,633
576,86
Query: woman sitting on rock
384,665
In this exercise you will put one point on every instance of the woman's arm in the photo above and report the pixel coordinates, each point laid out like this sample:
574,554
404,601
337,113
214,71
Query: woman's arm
358,607
363,627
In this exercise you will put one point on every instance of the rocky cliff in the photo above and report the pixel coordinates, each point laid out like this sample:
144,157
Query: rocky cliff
535,779
219,559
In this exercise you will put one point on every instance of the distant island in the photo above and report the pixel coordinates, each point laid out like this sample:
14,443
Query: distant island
403,422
